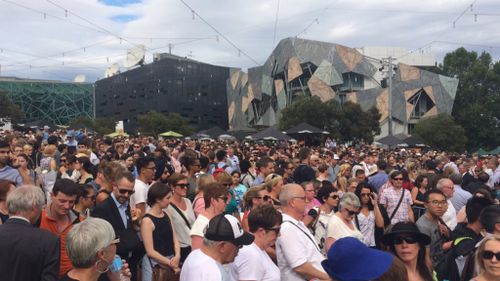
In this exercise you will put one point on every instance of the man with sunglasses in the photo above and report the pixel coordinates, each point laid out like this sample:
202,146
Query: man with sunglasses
146,167
116,210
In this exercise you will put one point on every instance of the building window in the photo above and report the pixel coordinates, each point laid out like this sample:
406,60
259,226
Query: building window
421,104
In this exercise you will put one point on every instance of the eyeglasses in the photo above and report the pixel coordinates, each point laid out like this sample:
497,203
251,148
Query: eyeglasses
351,213
62,160
437,203
365,194
334,197
182,185
397,179
224,198
488,255
123,191
275,229
408,239
265,197
116,240
299,197
136,146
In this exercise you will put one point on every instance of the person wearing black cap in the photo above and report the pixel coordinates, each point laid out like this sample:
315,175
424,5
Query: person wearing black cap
409,244
224,237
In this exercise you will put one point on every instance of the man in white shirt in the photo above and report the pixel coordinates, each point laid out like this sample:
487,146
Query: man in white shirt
146,168
299,257
223,239
495,175
448,188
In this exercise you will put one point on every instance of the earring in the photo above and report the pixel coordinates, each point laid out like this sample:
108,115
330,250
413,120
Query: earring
98,268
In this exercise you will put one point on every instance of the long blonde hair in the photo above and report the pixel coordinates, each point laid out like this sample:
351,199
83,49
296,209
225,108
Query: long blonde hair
202,181
480,251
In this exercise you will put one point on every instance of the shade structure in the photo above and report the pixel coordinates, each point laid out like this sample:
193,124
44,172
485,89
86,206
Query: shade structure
495,151
481,152
213,132
117,134
390,140
270,134
242,134
171,134
414,141
226,137
305,128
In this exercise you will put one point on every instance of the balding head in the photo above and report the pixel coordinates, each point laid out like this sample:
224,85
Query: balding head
293,200
446,186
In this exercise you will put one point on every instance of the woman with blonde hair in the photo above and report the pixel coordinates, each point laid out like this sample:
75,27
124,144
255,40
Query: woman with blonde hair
198,202
254,197
488,259
343,176
48,169
273,184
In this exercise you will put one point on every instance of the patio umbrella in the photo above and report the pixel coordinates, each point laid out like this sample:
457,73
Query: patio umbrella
117,134
171,134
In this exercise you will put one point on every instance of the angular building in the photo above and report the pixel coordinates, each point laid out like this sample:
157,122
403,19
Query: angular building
331,71
193,89
51,101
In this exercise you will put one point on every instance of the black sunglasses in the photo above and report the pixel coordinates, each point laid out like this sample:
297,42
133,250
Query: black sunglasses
334,197
488,255
352,213
408,239
183,185
123,191
265,197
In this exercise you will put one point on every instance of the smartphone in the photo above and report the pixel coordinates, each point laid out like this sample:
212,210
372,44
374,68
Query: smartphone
117,264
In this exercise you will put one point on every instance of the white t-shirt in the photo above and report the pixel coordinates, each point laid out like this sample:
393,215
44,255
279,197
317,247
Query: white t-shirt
141,193
294,247
181,229
321,227
199,266
253,263
199,226
338,229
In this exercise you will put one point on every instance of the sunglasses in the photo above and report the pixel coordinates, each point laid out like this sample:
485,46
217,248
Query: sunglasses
182,185
365,194
224,198
275,229
123,191
265,197
334,197
408,239
352,213
397,179
488,255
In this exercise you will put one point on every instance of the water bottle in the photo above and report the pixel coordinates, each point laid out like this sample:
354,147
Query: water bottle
116,268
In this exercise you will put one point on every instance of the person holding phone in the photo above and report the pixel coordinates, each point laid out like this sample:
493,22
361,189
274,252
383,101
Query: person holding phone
370,217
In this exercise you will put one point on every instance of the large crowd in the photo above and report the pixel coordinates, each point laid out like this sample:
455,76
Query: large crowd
77,206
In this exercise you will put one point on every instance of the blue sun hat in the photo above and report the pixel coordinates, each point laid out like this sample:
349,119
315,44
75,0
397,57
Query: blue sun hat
351,260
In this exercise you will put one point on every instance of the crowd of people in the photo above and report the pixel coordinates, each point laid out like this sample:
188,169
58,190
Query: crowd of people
75,206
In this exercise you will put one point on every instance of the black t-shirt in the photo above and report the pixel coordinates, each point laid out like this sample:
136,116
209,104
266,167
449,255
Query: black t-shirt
67,278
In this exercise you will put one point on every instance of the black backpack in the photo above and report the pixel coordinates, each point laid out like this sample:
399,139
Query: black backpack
454,262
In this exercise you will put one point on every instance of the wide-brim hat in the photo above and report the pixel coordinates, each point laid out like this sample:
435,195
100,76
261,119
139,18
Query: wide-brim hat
405,228
351,260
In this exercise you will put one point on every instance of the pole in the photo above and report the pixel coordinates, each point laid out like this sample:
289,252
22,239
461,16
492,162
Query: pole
390,73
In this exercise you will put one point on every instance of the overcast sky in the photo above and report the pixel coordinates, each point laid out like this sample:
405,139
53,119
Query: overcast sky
56,39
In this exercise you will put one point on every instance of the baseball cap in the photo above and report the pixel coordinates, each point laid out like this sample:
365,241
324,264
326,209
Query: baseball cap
227,228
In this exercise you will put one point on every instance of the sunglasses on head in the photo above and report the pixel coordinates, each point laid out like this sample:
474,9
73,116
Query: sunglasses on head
488,255
408,239
123,191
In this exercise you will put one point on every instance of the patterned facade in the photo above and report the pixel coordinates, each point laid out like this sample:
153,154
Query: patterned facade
332,71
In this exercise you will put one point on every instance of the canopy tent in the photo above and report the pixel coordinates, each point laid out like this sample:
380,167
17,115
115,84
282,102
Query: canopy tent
171,134
481,152
117,134
213,132
226,137
414,141
242,134
495,151
305,128
390,141
270,134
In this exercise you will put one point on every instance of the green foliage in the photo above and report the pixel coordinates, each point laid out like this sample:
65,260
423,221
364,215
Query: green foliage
154,123
477,101
347,122
9,110
442,132
100,125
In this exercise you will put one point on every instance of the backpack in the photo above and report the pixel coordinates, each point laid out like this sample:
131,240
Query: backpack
453,263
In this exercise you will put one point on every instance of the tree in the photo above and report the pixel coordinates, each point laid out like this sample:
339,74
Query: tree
9,111
346,122
442,132
477,101
154,123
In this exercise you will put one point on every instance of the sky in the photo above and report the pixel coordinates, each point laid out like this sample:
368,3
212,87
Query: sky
56,39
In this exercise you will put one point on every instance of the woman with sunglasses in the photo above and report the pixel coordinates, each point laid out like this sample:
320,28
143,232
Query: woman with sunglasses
409,244
488,259
370,219
255,196
273,184
342,224
158,233
181,212
215,196
329,199
252,261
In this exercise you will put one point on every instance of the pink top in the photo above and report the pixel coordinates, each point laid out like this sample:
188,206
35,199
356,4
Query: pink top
314,203
198,204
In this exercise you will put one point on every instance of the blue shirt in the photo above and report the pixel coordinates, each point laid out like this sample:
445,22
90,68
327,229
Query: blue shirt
11,174
378,180
122,209
459,198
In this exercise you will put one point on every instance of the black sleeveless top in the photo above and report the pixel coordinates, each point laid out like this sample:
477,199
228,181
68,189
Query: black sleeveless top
163,239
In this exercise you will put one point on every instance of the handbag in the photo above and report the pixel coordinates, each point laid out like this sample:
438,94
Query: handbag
163,273
389,227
